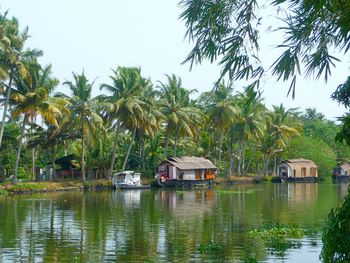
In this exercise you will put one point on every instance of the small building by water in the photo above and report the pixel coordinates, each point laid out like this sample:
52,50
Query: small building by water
298,170
342,171
186,171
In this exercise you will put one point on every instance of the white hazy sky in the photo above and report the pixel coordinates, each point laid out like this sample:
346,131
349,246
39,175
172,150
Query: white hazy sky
99,35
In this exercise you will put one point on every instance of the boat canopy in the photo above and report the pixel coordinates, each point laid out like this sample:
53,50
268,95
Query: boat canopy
190,163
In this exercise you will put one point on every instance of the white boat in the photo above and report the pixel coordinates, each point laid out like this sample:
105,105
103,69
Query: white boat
128,180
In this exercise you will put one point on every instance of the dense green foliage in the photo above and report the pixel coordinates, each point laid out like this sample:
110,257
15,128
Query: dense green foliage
336,235
134,124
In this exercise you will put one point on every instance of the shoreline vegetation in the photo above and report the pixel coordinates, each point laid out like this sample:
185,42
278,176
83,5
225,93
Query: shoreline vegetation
53,129
97,185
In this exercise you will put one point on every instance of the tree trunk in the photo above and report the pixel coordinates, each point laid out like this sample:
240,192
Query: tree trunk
8,92
14,180
33,164
143,156
114,152
129,149
82,154
65,148
33,120
229,171
53,159
220,148
176,138
275,166
243,169
239,164
166,144
266,167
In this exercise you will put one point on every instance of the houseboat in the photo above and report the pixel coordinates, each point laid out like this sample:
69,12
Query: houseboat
186,172
298,170
128,180
341,173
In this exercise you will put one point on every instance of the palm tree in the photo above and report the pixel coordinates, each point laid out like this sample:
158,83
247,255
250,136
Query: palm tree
222,112
279,129
150,124
84,112
126,104
48,139
175,105
32,98
250,126
12,55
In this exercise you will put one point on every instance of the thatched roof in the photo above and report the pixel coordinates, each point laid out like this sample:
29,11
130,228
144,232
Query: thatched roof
190,163
300,163
345,166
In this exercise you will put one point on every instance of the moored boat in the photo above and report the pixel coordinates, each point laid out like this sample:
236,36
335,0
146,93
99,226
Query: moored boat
298,170
186,172
128,180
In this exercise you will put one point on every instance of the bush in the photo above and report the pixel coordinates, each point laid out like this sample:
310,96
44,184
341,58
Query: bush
21,173
336,234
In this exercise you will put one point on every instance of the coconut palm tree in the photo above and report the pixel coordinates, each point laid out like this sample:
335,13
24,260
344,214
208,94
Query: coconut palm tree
151,122
50,137
12,55
222,112
126,105
40,77
84,112
251,125
174,102
279,129
31,98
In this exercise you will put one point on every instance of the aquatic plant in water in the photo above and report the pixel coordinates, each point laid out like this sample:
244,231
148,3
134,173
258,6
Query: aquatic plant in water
210,248
279,237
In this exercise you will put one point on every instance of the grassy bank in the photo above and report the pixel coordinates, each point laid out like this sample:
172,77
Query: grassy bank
42,187
239,180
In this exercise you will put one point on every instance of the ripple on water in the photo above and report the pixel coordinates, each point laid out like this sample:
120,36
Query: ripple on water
160,225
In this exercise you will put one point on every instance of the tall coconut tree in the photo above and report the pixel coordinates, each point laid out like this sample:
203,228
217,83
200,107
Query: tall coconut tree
84,111
40,78
49,137
126,104
174,104
251,125
12,55
222,112
279,129
150,124
31,98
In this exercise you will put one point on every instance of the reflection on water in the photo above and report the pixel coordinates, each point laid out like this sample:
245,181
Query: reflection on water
160,225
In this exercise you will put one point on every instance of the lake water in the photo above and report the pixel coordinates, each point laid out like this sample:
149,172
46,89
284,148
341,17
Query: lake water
162,225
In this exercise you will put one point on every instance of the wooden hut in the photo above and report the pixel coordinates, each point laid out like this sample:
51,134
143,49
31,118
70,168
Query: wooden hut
342,171
186,171
67,167
298,170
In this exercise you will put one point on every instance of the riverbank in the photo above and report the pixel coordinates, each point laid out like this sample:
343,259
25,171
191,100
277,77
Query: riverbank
240,180
45,187
96,185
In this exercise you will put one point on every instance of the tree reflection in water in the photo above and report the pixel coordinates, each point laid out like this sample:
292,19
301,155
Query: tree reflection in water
156,225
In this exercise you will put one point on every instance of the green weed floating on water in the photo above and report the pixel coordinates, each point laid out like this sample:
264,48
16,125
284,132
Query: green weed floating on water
210,248
278,238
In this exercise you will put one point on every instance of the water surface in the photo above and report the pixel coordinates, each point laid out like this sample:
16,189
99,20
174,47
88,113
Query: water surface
160,225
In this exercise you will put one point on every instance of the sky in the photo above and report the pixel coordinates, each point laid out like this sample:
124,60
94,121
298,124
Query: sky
96,36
